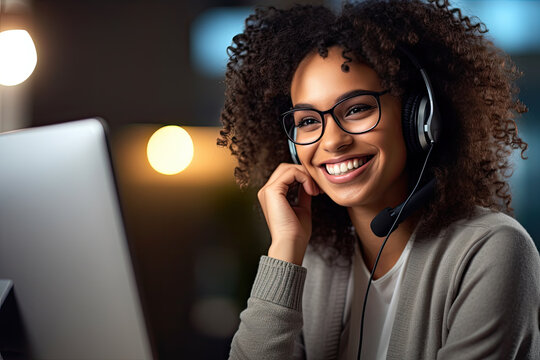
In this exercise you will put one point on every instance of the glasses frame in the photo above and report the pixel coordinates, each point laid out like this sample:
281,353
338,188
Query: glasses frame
330,111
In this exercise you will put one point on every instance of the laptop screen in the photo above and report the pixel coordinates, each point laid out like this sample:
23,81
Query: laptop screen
63,245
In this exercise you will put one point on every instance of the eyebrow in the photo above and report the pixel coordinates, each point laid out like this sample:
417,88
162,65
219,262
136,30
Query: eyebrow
338,99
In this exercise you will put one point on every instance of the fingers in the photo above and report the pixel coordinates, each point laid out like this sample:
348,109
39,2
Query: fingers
304,199
290,226
287,174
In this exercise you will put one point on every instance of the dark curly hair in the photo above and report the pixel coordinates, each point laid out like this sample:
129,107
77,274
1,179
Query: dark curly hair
474,83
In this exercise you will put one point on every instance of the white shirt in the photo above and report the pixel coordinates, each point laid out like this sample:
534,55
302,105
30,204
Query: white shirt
380,310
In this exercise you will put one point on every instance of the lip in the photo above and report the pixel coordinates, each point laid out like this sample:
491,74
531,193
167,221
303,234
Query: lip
340,179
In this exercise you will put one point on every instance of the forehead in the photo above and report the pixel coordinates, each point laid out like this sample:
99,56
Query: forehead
320,81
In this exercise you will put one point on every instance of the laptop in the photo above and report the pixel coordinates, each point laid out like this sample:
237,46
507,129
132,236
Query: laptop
63,248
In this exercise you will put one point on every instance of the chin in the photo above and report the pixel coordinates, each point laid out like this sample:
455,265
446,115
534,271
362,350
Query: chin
348,200
368,195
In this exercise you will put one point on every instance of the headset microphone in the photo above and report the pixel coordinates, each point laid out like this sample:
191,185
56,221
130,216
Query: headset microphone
381,224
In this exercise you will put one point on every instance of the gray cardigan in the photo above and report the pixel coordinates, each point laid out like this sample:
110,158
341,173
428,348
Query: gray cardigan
471,293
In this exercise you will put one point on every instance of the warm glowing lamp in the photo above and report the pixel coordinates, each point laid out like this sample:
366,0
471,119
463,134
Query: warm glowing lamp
18,57
170,150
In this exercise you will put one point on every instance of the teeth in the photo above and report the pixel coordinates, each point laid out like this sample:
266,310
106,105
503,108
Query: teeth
344,167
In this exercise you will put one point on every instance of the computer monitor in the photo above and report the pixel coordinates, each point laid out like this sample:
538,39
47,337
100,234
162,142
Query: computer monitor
63,245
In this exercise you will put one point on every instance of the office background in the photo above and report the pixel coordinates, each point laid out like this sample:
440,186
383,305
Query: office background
144,64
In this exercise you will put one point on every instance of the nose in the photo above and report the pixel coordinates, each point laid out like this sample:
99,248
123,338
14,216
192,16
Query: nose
334,138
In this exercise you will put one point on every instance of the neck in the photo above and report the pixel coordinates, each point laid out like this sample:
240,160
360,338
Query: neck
370,243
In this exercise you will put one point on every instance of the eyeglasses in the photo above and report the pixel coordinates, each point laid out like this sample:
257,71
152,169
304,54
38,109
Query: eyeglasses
356,114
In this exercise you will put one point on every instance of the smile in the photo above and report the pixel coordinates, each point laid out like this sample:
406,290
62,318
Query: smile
346,166
347,170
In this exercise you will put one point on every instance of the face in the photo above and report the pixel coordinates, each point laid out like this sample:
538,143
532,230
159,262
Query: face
378,157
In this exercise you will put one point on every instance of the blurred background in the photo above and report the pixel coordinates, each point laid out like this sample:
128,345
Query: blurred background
142,65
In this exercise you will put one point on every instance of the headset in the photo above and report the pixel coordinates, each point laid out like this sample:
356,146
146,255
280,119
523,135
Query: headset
422,124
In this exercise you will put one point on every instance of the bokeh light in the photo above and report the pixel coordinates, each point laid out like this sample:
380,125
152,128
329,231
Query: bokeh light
211,33
170,150
18,57
513,24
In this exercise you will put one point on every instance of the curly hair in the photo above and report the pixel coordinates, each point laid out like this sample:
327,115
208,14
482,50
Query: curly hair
474,83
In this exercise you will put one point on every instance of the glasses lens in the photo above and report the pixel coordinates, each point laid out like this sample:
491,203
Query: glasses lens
303,126
358,114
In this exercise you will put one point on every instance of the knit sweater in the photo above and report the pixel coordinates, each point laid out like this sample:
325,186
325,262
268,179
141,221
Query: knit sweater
473,292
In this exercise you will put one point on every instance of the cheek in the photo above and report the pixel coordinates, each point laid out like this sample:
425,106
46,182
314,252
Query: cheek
392,147
305,154
396,152
395,142
391,122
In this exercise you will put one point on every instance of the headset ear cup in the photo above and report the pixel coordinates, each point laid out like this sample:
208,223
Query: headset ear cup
410,123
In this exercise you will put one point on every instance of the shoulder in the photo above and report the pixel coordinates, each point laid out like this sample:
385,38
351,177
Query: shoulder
490,242
484,218
488,276
490,231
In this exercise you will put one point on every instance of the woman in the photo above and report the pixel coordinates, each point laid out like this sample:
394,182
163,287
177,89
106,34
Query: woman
363,102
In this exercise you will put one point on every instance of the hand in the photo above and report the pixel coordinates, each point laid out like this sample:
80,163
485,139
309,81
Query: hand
290,226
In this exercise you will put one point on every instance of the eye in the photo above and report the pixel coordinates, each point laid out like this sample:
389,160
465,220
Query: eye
307,121
359,108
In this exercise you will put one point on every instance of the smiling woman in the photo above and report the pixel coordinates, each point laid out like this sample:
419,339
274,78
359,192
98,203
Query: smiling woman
368,105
